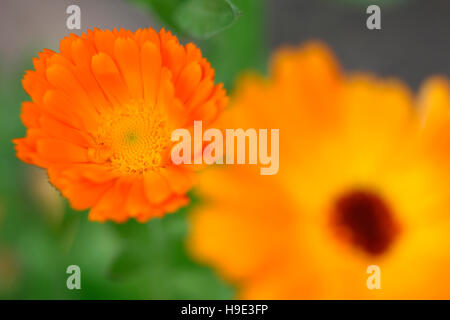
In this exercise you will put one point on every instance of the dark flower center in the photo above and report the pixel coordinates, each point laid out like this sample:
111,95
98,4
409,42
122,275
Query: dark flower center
366,221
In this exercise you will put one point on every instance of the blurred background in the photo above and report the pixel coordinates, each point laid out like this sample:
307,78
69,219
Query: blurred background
40,236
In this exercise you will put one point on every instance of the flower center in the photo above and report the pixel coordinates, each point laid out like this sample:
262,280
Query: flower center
364,219
133,138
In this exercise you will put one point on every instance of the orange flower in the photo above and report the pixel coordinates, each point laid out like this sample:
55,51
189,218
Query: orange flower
363,180
102,113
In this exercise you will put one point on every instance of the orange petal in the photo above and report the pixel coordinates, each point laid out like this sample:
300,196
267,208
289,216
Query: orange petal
126,53
55,104
173,56
35,85
62,78
111,206
180,180
104,41
188,81
156,188
61,151
59,130
81,193
82,53
137,203
109,78
201,94
30,114
151,68
175,203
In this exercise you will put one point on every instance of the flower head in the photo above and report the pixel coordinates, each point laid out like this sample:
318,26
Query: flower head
363,180
102,113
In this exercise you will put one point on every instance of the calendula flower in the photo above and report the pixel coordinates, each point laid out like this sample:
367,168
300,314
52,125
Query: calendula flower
101,117
363,181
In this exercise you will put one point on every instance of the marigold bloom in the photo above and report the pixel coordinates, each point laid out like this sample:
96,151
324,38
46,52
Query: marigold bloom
363,180
102,113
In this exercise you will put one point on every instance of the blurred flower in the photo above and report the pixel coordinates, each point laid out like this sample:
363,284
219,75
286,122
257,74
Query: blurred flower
101,116
363,180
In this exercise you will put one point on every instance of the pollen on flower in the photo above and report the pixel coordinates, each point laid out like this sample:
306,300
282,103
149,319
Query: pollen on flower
133,138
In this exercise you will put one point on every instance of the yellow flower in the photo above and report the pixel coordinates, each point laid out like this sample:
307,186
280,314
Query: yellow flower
363,180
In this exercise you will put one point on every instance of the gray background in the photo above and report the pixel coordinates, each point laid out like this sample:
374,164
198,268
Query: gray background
414,41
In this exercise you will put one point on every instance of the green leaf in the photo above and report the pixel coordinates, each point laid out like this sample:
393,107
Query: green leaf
204,18
198,19
163,9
